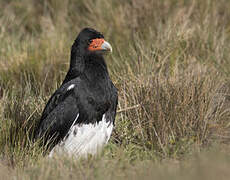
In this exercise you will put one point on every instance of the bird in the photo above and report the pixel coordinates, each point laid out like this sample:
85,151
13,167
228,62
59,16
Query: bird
79,117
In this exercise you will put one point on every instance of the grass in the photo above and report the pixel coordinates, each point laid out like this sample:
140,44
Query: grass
170,64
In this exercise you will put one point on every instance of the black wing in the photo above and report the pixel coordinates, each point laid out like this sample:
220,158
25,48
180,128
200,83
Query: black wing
111,113
58,115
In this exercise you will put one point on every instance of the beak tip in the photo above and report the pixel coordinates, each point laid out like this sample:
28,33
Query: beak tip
106,46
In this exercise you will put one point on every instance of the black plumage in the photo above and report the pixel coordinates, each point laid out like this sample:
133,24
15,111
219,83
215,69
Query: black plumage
86,94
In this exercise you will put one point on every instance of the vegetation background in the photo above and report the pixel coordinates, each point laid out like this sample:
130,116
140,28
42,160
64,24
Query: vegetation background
170,64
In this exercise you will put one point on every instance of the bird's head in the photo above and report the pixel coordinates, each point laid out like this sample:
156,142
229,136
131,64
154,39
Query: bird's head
92,41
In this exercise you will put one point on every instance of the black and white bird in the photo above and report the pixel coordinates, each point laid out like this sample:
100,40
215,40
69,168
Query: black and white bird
79,117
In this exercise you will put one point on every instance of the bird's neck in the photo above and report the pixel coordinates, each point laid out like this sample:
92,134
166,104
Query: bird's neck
77,64
92,65
95,67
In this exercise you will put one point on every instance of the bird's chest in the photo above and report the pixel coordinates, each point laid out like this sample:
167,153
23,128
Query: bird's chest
95,98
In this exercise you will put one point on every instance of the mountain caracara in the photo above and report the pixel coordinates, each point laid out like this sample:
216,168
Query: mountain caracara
79,117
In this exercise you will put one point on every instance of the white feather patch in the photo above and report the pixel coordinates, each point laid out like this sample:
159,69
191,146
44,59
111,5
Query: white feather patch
85,139
71,87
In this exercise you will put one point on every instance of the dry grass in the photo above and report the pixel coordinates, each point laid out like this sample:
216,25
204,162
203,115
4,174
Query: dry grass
209,165
170,64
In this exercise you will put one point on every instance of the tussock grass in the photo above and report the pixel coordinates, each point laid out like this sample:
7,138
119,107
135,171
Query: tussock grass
170,64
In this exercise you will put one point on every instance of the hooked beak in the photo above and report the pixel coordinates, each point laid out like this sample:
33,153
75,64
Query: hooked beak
106,46
100,44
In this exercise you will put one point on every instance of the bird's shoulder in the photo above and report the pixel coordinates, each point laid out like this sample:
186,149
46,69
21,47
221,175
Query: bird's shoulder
59,96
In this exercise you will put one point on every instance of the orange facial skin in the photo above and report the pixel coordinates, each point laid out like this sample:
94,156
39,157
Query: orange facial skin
95,45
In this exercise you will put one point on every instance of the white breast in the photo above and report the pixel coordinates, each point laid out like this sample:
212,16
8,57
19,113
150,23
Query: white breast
85,139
